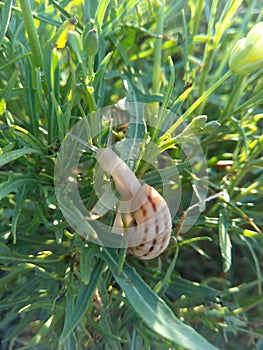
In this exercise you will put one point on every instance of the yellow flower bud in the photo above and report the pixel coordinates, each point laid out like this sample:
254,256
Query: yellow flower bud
61,36
247,54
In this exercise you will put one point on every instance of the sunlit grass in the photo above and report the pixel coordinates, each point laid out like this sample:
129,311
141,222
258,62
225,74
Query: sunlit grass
60,292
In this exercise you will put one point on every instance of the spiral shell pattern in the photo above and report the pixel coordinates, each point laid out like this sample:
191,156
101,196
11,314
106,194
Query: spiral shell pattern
149,229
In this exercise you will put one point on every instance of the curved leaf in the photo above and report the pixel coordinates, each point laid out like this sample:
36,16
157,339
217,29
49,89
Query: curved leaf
152,309
75,314
5,18
8,157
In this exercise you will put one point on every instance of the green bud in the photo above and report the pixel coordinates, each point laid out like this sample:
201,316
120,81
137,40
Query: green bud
196,126
91,42
211,126
247,54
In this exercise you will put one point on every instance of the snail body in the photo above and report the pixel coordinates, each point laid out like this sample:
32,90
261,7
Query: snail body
143,216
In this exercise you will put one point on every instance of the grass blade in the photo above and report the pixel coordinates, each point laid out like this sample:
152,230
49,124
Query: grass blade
83,302
14,182
8,157
224,240
5,18
32,33
17,211
152,309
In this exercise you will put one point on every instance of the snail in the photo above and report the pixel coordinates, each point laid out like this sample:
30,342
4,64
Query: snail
143,215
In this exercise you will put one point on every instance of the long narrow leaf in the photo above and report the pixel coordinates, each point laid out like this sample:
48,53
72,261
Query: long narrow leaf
8,157
83,302
152,309
5,18
224,240
13,184
100,13
17,211
5,93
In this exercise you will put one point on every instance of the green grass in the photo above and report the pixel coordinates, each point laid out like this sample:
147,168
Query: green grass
205,290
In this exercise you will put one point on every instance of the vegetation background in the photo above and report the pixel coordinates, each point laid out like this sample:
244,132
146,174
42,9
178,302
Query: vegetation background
203,292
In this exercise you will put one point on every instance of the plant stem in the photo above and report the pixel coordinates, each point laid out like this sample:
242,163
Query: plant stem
207,58
158,49
199,5
235,95
90,98
32,33
90,69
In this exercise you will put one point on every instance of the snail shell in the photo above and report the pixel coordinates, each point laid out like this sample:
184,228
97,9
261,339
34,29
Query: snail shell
143,215
153,224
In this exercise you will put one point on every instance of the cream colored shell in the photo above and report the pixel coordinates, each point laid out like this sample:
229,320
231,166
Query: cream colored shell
152,222
143,217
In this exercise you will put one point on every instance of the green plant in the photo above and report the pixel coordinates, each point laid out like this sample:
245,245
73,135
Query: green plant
60,292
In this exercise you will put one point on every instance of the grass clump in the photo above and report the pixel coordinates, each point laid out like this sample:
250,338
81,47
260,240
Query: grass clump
60,61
